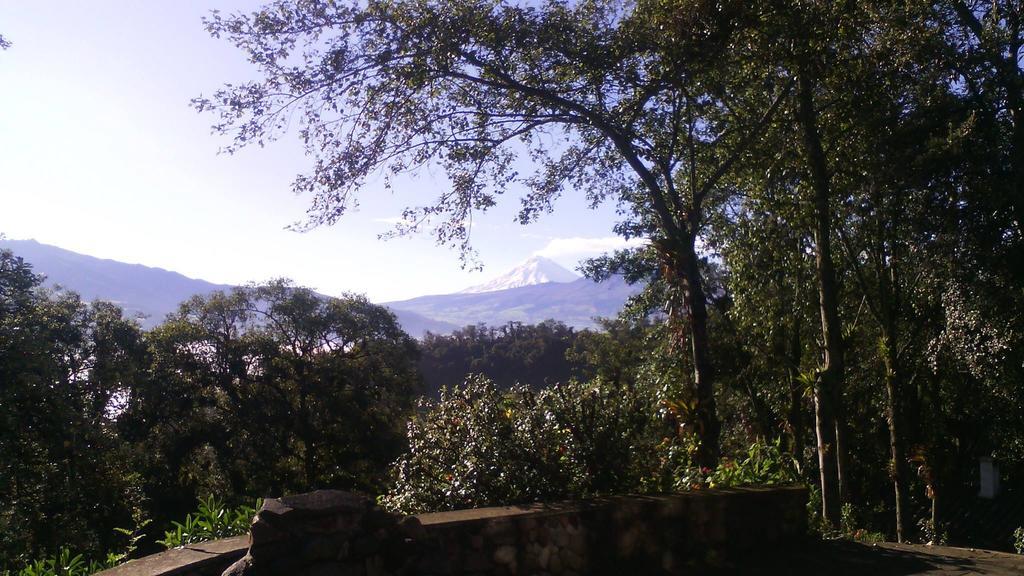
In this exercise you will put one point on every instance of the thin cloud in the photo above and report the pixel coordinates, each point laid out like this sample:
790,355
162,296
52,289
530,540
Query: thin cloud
390,221
577,246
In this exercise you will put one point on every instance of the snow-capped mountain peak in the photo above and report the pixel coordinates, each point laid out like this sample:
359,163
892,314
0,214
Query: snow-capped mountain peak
535,270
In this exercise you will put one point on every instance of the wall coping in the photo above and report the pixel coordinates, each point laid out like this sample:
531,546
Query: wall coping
190,559
183,560
540,509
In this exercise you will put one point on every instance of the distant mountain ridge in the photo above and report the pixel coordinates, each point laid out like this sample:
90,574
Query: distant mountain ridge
142,291
150,294
575,303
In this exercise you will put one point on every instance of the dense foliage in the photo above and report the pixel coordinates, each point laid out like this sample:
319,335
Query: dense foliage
530,354
853,171
833,198
268,390
212,520
264,390
479,446
66,477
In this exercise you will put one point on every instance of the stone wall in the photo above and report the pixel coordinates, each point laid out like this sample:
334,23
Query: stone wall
336,533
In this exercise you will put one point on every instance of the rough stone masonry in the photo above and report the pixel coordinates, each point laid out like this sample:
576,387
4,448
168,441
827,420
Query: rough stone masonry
338,533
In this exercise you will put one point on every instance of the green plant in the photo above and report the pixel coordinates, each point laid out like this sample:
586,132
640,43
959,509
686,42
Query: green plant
478,446
211,521
851,526
848,518
764,464
481,446
932,534
67,563
815,524
1018,540
63,563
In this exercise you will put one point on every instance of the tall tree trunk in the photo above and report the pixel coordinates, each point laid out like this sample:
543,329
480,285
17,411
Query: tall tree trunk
703,372
679,257
796,394
893,392
309,448
794,353
842,443
828,393
888,310
824,425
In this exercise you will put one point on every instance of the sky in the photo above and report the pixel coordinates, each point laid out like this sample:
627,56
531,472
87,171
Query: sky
100,153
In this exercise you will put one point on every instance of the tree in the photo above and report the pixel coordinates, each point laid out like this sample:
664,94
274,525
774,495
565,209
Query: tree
515,353
271,389
629,97
65,476
989,41
767,251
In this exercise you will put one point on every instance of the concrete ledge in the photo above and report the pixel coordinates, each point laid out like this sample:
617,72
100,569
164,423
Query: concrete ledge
541,509
201,559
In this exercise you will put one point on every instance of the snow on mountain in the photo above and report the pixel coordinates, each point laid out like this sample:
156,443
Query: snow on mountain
535,270
144,292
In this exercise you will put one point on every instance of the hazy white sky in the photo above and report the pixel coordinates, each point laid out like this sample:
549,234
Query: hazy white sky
100,153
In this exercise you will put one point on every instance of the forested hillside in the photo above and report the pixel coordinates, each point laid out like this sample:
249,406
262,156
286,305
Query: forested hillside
261,390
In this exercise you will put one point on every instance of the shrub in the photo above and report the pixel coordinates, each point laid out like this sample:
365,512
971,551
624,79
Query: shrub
764,464
64,563
932,534
478,446
1018,540
67,563
611,433
211,521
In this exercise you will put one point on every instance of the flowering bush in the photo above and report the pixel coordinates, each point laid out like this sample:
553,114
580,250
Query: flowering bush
478,446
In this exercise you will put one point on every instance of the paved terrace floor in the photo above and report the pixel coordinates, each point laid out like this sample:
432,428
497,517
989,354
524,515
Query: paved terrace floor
844,558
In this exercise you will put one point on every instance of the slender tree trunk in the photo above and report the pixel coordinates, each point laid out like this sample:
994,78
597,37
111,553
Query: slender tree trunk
938,469
824,425
794,352
309,452
827,396
842,444
796,396
888,309
703,372
900,475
